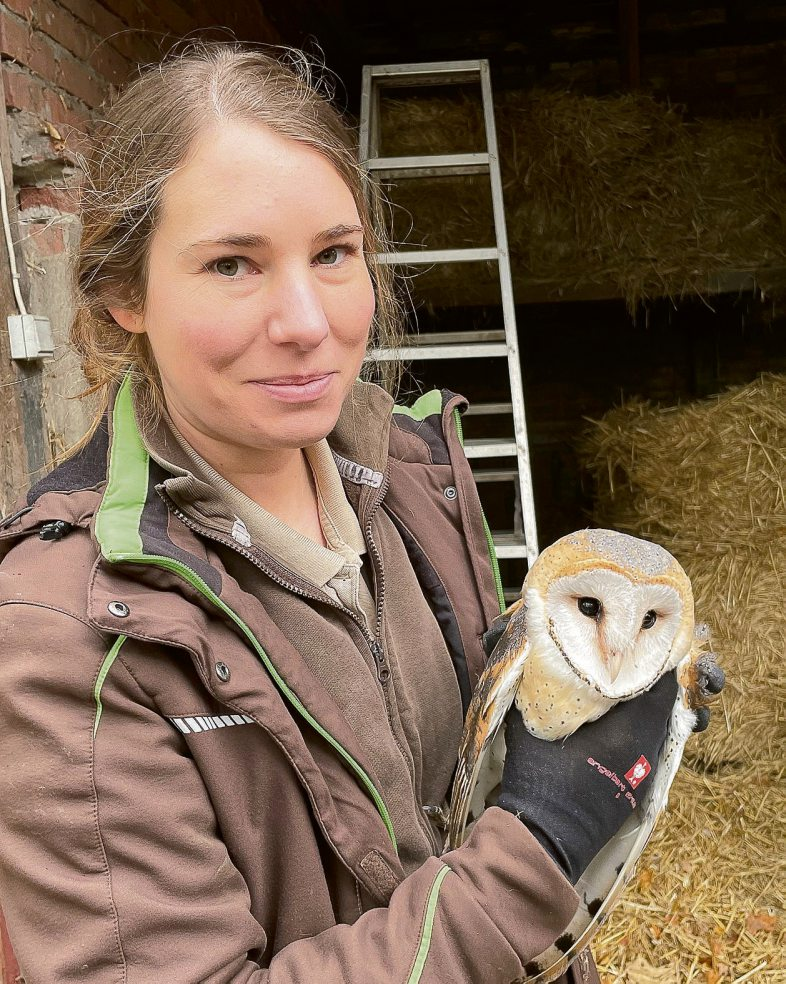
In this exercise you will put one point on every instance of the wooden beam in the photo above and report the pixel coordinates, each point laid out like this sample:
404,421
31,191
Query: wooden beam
629,40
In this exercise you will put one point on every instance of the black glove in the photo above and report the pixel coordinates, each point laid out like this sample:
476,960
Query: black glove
575,794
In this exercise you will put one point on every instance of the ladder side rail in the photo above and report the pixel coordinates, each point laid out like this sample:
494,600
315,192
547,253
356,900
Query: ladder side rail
364,137
509,318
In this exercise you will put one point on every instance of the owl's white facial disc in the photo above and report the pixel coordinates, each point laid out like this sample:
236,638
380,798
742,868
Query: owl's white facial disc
616,633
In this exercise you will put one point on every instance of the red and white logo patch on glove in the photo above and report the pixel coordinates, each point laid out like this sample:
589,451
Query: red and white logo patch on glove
638,771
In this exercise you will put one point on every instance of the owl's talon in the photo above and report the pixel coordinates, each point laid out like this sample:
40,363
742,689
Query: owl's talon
710,677
702,719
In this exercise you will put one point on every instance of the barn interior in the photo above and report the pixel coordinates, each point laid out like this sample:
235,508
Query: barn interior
587,342
642,156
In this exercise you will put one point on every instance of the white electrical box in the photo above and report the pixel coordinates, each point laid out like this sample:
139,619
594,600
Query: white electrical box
31,337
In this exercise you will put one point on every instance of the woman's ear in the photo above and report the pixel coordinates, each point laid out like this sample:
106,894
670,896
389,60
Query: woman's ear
130,320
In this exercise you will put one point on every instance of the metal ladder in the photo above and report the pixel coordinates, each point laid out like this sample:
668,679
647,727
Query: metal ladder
522,541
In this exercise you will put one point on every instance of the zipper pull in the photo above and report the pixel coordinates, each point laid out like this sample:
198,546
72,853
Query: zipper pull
383,670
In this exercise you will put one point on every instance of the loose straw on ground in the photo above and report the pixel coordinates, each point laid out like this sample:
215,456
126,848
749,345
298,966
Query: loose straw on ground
707,481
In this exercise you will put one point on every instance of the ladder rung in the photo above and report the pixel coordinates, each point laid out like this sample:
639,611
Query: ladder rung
490,447
496,475
511,594
484,408
454,337
426,73
428,165
412,353
421,257
509,545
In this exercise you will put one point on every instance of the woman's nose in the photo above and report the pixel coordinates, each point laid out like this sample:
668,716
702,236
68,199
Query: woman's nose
298,317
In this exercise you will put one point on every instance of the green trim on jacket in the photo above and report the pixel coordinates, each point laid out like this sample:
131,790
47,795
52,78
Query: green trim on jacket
117,531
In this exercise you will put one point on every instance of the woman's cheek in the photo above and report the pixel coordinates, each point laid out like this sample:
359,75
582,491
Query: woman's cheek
217,345
356,313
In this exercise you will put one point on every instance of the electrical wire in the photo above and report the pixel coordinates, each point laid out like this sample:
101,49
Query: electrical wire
10,244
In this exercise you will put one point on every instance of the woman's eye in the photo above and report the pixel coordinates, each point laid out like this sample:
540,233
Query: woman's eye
335,255
231,267
590,607
329,257
649,620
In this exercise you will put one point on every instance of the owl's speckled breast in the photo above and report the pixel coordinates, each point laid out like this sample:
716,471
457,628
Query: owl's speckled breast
551,703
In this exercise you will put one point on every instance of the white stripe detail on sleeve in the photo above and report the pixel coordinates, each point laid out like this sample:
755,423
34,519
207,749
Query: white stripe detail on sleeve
209,722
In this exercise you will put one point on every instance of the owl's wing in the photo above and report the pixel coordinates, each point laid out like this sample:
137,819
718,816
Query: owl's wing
601,885
490,703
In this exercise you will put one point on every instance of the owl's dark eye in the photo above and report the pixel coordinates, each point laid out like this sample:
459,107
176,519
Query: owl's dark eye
649,620
590,607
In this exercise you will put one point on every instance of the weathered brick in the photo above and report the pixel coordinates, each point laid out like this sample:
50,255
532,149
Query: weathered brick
175,18
20,42
43,238
59,25
130,41
109,63
25,92
81,82
38,154
134,12
22,92
48,196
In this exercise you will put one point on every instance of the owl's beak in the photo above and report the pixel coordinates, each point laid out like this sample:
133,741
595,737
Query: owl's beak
613,663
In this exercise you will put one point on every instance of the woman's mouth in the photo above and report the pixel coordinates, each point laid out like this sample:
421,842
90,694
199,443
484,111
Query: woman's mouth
296,389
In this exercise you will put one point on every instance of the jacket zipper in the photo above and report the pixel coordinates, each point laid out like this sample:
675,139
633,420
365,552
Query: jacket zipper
377,649
374,646
383,670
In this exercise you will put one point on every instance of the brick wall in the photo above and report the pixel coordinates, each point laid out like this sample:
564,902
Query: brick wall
61,60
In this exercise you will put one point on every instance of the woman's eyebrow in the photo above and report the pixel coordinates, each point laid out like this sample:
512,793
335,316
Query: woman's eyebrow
336,232
240,241
255,241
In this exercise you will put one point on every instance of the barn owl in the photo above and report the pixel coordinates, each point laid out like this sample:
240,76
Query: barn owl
601,617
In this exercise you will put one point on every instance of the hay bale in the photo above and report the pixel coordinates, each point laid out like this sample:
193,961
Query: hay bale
707,481
622,191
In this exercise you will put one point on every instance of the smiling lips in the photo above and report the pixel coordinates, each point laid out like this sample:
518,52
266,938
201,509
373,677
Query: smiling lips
296,389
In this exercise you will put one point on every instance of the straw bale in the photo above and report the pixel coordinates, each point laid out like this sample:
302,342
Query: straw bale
707,481
622,191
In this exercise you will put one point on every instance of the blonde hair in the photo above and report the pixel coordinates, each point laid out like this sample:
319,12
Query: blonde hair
144,138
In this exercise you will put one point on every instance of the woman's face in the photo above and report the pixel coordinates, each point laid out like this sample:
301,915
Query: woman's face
259,300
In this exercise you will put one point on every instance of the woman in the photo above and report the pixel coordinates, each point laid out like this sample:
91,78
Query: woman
240,627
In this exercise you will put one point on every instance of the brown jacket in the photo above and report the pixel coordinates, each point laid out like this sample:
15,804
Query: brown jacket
181,800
